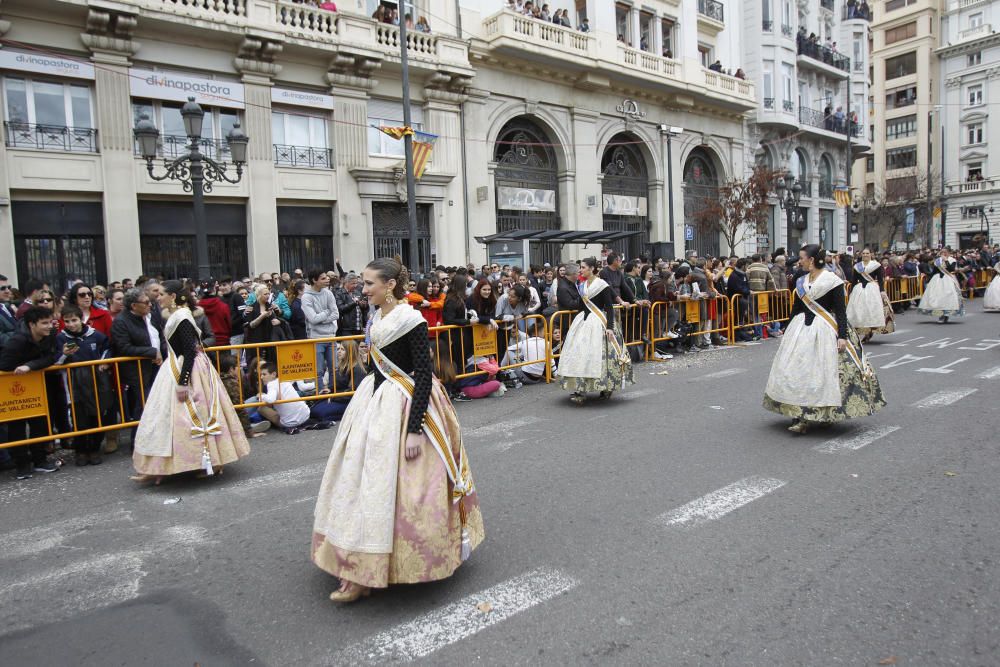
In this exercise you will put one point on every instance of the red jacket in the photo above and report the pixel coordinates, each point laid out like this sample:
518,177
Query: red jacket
100,320
217,314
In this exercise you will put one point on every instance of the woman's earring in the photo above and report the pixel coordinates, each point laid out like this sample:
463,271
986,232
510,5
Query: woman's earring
390,299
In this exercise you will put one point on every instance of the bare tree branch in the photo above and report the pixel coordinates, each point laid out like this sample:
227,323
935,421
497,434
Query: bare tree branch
739,208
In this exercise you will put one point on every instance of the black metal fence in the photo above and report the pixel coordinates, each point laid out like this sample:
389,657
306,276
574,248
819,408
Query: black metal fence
713,9
303,156
50,137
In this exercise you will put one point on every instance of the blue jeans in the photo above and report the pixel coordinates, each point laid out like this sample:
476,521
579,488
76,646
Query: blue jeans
324,360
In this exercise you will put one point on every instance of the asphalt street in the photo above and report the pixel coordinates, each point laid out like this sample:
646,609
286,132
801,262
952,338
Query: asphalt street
678,523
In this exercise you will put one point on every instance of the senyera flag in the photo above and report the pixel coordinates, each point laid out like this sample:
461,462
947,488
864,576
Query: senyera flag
423,145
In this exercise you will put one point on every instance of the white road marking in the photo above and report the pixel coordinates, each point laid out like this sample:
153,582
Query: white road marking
639,393
505,427
724,373
943,398
855,441
943,369
942,343
983,345
31,541
81,586
454,622
876,356
991,374
904,343
719,503
898,331
282,478
903,360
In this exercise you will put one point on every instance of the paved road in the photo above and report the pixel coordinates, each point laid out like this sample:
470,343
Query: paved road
677,524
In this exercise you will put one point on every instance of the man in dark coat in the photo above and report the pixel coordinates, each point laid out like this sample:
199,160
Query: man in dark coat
31,348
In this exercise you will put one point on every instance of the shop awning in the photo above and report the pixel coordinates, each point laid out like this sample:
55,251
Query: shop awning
557,236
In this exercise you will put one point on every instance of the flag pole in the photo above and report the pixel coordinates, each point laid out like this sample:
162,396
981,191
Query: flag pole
411,186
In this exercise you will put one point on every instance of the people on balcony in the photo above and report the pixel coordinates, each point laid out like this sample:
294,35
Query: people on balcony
423,25
585,25
716,66
740,74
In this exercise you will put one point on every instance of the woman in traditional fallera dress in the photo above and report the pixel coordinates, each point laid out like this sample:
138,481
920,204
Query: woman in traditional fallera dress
594,358
943,295
820,373
188,423
868,309
397,504
991,299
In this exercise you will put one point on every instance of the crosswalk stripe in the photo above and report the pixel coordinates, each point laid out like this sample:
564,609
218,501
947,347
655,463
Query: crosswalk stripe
991,374
500,427
31,541
944,397
724,373
456,621
719,503
856,440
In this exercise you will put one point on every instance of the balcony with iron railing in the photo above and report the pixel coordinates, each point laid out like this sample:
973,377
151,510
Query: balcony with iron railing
712,9
303,156
173,146
786,30
825,190
305,25
830,123
50,137
771,114
822,58
767,26
788,105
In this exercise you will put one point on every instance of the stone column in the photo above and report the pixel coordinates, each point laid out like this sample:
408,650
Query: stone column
8,262
350,86
256,63
442,117
586,181
108,37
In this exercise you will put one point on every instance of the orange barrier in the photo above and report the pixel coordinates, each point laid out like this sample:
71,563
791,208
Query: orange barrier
981,280
760,309
904,288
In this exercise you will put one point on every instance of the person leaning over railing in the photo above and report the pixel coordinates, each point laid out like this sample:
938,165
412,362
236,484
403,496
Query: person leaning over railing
91,389
31,348
135,333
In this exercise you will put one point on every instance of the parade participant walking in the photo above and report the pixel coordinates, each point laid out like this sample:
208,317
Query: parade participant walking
820,374
991,299
943,295
189,422
593,357
868,309
397,504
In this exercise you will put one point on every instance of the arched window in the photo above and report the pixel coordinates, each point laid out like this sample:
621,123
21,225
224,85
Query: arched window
625,192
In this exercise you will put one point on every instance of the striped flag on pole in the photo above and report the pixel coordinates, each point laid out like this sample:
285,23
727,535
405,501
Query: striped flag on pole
395,132
423,146
842,196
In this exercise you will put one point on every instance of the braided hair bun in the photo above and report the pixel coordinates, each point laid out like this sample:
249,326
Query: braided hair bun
388,268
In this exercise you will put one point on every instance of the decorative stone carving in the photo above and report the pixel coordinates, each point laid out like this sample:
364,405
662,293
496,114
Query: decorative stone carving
110,32
256,56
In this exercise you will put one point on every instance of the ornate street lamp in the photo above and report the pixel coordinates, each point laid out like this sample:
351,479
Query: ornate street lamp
789,192
196,172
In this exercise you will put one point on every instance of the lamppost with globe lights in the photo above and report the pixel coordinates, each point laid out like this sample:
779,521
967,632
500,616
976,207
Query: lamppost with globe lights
195,171
789,192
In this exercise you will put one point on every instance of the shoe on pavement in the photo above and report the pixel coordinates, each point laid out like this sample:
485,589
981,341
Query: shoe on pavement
460,397
293,430
96,460
46,467
24,472
260,427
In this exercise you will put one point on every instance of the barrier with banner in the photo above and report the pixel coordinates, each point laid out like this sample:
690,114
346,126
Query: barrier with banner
23,396
760,309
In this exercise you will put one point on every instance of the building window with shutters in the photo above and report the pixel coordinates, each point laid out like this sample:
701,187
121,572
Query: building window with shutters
48,115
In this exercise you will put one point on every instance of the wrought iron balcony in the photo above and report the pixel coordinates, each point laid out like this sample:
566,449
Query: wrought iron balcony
830,123
50,137
825,190
823,54
767,26
788,105
857,12
769,103
303,156
786,30
713,9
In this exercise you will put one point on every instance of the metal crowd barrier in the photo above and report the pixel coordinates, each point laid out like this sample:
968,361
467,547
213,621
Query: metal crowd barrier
904,288
760,309
981,280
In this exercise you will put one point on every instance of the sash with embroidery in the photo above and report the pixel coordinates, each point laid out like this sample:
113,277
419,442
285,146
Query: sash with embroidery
862,270
620,353
458,471
823,314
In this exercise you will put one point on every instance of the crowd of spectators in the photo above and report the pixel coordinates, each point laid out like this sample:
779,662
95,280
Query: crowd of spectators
42,328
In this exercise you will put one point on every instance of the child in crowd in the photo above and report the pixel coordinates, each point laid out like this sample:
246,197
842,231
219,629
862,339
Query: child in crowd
294,416
229,369
81,342
349,374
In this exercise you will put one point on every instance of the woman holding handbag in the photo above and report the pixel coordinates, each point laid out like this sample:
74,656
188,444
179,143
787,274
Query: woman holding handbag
264,325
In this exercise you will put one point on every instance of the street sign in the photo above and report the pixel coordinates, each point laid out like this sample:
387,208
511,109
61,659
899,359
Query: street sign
909,221
688,233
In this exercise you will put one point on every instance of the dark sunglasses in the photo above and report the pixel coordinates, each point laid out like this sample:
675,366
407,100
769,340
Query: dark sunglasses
45,300
84,294
4,288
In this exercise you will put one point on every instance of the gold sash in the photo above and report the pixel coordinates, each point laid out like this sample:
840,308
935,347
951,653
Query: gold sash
620,352
199,426
825,315
458,471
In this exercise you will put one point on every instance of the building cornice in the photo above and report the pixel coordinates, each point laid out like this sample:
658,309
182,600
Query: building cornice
970,46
